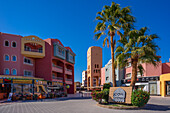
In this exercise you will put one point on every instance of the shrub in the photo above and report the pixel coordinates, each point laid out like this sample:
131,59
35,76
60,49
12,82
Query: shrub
140,98
105,94
96,95
106,86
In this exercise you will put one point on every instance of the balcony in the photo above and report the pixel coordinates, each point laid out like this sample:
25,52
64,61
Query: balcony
70,57
59,51
32,46
68,81
56,68
68,71
58,79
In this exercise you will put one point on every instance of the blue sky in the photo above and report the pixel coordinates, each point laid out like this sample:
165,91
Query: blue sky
73,23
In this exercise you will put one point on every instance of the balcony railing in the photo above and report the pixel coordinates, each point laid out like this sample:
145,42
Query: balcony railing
69,80
34,50
57,66
58,78
69,70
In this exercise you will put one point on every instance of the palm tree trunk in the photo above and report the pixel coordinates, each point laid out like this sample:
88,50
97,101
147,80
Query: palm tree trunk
134,72
112,53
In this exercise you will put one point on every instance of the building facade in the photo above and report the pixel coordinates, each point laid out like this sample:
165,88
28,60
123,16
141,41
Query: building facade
84,78
94,65
106,72
31,58
149,81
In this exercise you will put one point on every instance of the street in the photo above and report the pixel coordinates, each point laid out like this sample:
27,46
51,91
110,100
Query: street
155,105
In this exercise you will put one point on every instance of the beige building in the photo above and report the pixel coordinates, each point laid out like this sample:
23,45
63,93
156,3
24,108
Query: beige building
94,65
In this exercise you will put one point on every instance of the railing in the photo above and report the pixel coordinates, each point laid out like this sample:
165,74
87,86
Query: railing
57,66
34,50
69,70
58,78
69,80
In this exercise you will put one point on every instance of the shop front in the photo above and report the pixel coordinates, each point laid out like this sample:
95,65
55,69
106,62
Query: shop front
149,84
165,85
56,89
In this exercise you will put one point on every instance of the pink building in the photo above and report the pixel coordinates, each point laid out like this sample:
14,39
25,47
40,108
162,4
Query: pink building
31,58
102,76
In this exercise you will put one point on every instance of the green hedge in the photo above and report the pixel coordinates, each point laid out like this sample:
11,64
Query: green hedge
140,98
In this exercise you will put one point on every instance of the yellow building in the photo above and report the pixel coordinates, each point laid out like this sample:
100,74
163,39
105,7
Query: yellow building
165,85
94,65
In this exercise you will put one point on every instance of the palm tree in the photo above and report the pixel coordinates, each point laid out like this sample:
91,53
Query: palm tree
111,20
137,47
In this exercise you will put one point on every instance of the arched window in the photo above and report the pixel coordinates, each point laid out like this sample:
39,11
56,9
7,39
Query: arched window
6,43
14,72
14,58
6,57
6,72
14,44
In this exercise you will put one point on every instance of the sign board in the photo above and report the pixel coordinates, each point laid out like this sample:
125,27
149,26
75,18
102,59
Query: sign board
40,82
120,94
1,80
22,81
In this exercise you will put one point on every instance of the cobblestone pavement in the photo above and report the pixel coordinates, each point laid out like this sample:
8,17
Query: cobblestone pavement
155,105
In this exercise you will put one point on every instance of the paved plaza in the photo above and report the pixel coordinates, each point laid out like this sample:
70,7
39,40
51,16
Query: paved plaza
155,105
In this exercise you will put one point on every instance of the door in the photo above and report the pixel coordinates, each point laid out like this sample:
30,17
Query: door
152,89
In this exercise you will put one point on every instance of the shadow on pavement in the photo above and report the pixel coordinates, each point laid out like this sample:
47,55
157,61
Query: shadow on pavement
154,107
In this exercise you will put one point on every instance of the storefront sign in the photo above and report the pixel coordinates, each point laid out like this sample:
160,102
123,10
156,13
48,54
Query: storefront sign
40,82
1,80
142,79
22,81
120,94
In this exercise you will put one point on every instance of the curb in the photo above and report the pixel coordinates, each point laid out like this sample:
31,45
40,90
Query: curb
120,108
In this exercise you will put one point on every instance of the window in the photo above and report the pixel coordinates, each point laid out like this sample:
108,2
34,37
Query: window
99,71
14,44
61,51
27,61
128,75
6,43
6,72
14,58
107,78
27,73
97,65
6,57
14,72
27,48
71,57
138,74
94,71
128,65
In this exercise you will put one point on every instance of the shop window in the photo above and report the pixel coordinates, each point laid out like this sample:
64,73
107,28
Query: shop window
14,72
6,72
6,43
14,58
6,57
14,44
